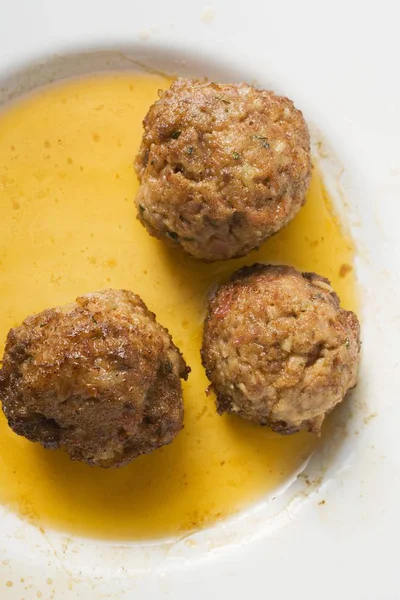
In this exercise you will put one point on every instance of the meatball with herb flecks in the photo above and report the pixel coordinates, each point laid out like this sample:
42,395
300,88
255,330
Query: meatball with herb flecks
99,377
221,167
278,349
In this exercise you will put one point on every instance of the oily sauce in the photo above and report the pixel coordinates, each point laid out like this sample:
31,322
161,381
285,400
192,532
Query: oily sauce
68,227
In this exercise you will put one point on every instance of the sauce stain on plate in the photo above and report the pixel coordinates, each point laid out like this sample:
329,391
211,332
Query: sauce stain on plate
68,227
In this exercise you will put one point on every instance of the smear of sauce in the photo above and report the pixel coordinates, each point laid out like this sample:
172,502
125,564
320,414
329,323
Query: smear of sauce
68,227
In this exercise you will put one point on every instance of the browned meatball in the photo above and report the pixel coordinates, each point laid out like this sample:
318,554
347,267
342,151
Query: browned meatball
278,348
99,377
222,167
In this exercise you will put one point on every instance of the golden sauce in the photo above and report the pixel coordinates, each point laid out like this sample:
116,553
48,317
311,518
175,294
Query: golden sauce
68,227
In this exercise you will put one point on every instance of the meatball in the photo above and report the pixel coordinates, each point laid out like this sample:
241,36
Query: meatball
99,377
278,348
221,167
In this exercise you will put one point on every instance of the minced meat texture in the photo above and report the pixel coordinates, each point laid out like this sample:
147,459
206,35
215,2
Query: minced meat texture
221,167
99,377
278,349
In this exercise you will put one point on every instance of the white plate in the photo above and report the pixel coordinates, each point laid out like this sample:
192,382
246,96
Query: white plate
339,62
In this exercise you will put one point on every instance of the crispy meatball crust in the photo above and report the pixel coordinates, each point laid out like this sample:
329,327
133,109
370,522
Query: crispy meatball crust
222,167
99,377
278,348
